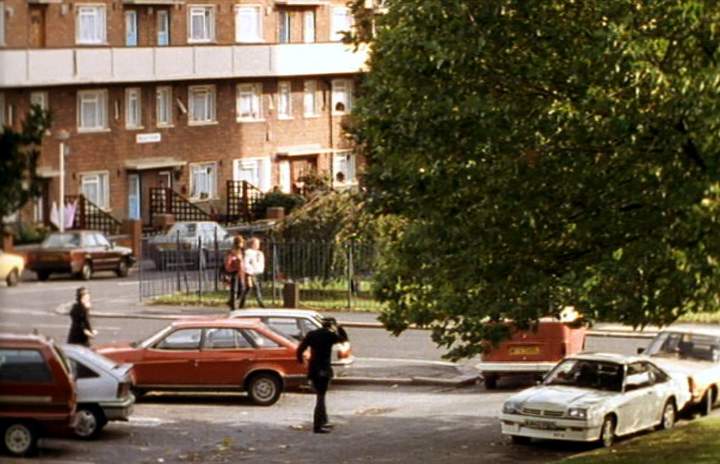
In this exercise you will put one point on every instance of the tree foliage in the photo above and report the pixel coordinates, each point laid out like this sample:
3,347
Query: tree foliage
19,152
544,153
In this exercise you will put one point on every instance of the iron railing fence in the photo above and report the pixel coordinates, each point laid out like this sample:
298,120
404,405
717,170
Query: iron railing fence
329,275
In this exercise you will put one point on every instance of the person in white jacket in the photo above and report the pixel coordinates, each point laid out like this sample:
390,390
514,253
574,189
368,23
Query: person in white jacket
254,262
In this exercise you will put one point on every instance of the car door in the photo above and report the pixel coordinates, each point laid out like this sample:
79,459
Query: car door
662,389
638,403
111,257
172,360
225,357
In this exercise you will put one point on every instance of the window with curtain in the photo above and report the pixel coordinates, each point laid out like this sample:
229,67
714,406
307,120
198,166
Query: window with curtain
164,106
284,105
248,24
202,104
92,110
90,25
94,187
201,24
133,108
310,106
202,181
249,99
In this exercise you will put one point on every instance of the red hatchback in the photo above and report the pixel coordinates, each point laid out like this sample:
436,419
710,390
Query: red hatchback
212,355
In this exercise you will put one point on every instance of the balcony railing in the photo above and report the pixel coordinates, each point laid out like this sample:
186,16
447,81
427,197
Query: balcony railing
41,67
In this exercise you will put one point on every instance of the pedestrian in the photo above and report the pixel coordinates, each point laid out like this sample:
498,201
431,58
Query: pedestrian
235,268
254,268
320,341
80,329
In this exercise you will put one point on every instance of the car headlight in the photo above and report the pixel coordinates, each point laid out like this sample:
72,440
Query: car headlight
511,407
577,413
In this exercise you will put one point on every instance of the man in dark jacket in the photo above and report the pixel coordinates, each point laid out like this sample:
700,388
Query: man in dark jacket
320,371
80,329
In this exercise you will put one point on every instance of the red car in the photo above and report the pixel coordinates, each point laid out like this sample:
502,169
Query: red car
37,392
532,351
212,355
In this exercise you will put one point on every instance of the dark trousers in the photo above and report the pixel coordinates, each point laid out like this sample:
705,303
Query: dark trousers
321,385
237,292
255,279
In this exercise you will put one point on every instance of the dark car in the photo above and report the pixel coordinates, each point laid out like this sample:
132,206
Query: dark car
80,253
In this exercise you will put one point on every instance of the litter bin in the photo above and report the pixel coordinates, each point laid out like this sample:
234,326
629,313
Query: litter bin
291,295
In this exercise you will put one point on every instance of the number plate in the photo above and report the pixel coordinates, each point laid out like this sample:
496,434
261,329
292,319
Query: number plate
524,350
540,425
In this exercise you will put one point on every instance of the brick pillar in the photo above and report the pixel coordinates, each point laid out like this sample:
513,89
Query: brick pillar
133,227
7,242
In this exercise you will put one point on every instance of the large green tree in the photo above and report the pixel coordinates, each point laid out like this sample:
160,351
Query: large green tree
544,153
19,152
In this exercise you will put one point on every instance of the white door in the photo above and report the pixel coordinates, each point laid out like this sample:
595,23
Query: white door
133,196
285,177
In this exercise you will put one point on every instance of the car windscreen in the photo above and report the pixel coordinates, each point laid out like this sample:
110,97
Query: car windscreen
62,241
682,345
584,373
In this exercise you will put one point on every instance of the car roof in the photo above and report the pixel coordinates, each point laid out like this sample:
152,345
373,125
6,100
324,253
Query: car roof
279,312
217,322
608,357
696,329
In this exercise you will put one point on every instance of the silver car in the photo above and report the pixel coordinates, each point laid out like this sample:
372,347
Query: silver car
179,246
103,390
294,324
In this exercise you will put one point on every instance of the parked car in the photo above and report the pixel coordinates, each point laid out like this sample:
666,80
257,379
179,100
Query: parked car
103,390
37,392
294,324
214,354
11,268
80,253
534,351
693,350
181,245
596,396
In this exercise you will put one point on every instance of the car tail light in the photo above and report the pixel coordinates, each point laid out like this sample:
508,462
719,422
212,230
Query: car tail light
344,352
123,389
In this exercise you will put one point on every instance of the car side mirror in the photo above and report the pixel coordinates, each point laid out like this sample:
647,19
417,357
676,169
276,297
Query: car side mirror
640,350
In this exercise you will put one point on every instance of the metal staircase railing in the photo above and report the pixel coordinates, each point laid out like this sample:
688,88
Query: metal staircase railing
167,201
90,216
243,200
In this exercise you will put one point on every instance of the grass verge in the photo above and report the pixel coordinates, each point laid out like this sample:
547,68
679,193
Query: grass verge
696,442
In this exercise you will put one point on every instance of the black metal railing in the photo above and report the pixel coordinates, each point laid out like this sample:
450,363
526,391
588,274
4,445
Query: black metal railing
90,216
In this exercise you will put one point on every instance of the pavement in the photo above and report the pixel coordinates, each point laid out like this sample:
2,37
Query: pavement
379,371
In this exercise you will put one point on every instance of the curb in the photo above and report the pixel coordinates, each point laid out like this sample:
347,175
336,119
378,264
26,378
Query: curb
419,381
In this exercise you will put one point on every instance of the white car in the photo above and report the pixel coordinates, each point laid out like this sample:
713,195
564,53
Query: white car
294,324
596,396
103,390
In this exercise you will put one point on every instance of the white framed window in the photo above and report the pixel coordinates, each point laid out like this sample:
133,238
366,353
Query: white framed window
310,100
131,28
284,104
92,110
201,102
249,102
2,24
39,210
344,169
133,108
341,22
309,26
285,25
203,179
201,24
40,99
90,24
342,96
163,28
255,171
248,23
96,188
163,106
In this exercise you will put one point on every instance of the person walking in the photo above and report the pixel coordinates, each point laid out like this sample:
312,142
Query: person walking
235,268
254,268
81,331
320,341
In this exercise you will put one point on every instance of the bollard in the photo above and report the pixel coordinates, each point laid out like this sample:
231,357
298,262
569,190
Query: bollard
291,295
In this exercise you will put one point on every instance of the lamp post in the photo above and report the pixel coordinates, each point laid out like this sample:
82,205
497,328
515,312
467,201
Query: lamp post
62,136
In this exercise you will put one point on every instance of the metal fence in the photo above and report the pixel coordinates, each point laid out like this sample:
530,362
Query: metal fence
329,275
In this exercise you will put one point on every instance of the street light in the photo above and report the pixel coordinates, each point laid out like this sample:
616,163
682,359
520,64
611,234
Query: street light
62,136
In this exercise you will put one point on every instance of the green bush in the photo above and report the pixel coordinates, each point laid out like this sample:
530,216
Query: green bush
30,233
289,201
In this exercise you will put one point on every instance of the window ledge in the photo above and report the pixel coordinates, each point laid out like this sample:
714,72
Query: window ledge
92,131
285,118
311,116
250,42
202,41
202,123
165,126
200,200
92,44
134,128
246,121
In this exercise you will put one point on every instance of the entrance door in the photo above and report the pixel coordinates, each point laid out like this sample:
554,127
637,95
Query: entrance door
301,167
37,26
133,196
152,179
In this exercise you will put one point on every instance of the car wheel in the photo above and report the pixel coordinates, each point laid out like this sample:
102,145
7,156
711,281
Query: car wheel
490,382
264,389
122,269
518,440
669,415
706,406
42,276
20,439
607,432
90,421
86,272
13,278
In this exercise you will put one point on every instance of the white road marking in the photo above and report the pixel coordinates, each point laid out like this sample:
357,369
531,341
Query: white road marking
144,421
27,312
127,284
35,288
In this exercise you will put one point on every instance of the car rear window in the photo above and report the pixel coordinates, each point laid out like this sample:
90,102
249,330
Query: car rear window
62,241
23,366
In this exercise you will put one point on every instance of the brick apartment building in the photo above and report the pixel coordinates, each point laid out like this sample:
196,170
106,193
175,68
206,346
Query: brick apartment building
182,94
